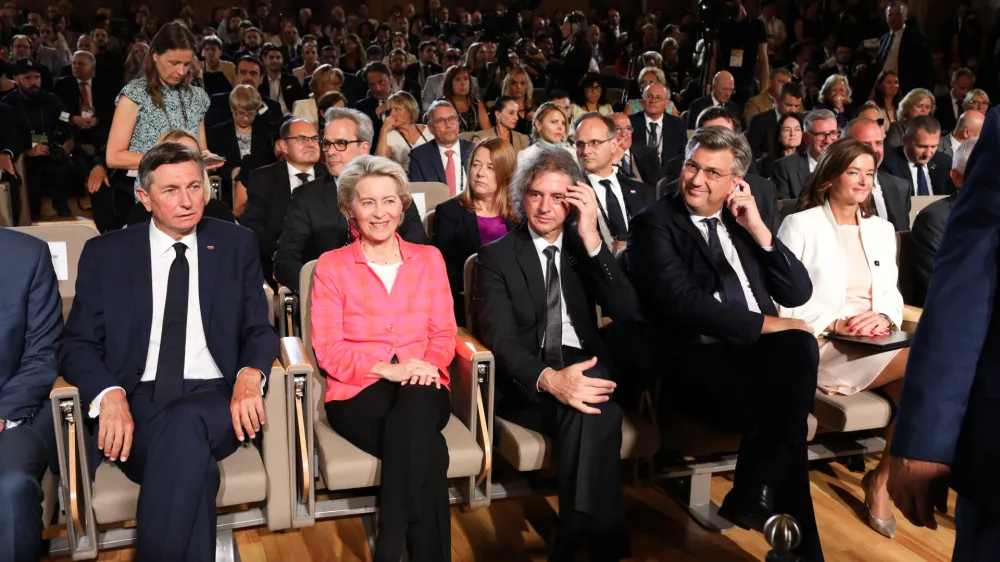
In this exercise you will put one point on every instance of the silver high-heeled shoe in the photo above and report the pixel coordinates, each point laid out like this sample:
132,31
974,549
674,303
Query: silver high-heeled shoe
884,527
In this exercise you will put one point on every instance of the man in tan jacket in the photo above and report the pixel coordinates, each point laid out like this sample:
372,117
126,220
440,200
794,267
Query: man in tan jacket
766,100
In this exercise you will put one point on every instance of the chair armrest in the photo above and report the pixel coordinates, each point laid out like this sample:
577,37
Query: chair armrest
301,408
270,297
287,303
71,448
911,316
276,452
472,400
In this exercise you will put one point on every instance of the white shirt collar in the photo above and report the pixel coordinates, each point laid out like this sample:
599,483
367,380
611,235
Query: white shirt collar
812,161
454,147
955,143
696,218
594,178
292,170
715,102
650,120
541,243
160,243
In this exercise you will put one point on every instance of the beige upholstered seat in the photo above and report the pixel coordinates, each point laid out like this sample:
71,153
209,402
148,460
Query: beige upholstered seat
75,236
434,192
243,480
864,410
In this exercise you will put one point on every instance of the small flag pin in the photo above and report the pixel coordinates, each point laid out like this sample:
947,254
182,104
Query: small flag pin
211,247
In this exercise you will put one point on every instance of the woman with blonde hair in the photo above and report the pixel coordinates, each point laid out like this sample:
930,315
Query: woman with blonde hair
392,405
134,62
835,95
649,75
401,131
237,138
324,79
850,254
550,128
917,102
214,208
479,215
517,84
976,100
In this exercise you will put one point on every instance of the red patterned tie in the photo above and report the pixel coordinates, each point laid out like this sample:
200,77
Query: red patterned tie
83,94
449,172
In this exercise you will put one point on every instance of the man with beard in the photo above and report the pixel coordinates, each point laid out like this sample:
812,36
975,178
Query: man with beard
22,47
35,125
278,85
252,42
399,82
376,105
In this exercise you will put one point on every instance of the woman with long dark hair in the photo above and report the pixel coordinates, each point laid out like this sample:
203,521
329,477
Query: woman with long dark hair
886,95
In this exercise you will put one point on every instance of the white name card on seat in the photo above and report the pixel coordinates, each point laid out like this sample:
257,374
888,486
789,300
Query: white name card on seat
420,200
60,260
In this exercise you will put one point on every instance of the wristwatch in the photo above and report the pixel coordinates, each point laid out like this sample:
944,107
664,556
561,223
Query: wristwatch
892,325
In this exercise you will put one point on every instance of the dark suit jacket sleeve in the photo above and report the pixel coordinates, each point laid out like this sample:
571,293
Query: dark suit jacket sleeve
497,327
608,284
25,391
782,181
258,340
447,220
944,357
414,170
660,274
927,231
679,140
254,214
756,136
81,355
290,252
412,228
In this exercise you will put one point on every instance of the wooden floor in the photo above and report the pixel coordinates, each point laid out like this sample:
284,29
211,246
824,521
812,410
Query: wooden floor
520,530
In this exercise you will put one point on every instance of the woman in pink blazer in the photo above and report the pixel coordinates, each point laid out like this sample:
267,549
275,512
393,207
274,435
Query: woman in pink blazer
384,334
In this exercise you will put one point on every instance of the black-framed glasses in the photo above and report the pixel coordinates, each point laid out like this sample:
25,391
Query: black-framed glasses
593,145
832,135
302,139
339,144
710,173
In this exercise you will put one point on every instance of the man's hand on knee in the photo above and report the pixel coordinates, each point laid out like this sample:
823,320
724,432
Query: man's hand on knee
247,405
115,426
571,387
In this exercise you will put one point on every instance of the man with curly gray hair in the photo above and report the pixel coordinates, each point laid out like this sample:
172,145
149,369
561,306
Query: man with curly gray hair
533,304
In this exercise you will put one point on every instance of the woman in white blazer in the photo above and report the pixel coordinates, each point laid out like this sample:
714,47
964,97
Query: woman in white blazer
850,254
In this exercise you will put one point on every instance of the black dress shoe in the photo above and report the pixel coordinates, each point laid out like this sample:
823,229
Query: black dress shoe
748,510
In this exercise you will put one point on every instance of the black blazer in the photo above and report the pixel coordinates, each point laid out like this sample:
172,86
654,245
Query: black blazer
897,200
219,111
669,264
791,174
916,68
314,224
67,89
637,196
368,106
508,300
762,134
290,90
916,260
269,191
703,103
945,114
895,163
425,162
764,194
456,234
221,140
645,162
674,135
419,75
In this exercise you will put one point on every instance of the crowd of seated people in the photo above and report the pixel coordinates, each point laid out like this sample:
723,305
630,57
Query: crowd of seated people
316,129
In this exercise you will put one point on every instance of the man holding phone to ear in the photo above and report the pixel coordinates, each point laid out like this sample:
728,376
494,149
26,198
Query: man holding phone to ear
533,304
707,271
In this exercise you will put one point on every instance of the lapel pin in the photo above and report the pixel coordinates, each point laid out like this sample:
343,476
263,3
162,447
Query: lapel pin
210,248
876,263
632,191
572,261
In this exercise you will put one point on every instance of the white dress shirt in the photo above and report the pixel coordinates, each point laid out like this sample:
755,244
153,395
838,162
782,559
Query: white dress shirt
955,143
879,199
459,169
913,177
659,133
275,85
812,162
293,180
892,58
602,193
729,250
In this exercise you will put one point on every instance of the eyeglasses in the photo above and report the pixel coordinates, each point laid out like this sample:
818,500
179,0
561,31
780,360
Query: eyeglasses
245,114
453,120
339,144
655,99
832,135
302,139
710,173
593,145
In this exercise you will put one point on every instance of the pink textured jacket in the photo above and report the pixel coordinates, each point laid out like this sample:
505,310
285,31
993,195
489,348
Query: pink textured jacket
356,323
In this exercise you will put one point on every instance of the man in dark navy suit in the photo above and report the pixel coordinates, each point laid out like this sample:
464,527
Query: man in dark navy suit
168,341
30,326
919,162
445,158
950,407
723,86
665,134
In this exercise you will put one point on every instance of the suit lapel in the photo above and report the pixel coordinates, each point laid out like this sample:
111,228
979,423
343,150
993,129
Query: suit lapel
683,219
436,163
142,288
471,225
207,267
531,267
803,170
746,254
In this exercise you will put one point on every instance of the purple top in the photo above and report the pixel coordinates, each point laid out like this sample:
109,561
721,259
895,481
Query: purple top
491,228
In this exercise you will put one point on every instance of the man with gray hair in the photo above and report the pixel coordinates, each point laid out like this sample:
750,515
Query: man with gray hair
533,305
917,260
905,51
708,273
314,223
445,159
792,171
89,100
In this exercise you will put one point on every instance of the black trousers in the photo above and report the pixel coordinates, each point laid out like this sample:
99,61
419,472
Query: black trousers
175,453
588,460
401,425
111,203
977,530
48,174
25,451
766,391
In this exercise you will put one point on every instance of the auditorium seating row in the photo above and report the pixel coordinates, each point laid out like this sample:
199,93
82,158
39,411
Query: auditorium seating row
302,470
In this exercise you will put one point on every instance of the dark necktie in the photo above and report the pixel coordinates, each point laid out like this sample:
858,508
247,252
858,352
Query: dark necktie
922,187
303,177
169,381
651,141
958,109
627,165
732,289
615,216
888,45
553,311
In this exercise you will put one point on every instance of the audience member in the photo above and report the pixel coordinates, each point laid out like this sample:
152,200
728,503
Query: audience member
426,67
950,105
179,401
387,392
211,50
549,129
31,328
559,384
788,141
835,96
836,235
311,225
649,75
401,131
770,98
517,84
723,86
918,161
434,86
741,49
977,100
904,50
791,172
664,134
762,132
278,84
713,304
323,80
504,120
887,96
444,159
457,91
890,195
89,100
249,72
376,105
914,104
238,138
590,98
969,125
482,213
638,163
310,62
917,261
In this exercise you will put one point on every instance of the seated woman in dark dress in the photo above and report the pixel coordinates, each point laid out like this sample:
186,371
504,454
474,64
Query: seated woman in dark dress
835,95
213,207
479,215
